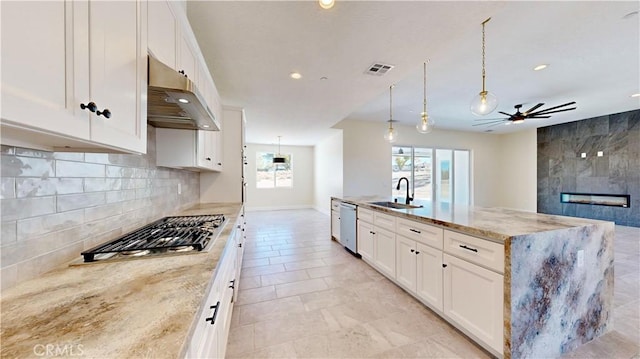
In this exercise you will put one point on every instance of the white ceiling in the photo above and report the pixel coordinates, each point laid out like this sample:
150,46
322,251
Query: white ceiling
251,47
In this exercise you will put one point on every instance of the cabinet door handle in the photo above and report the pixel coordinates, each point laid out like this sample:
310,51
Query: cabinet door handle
239,245
372,232
106,113
468,248
208,158
444,265
417,252
414,230
91,106
233,284
182,72
212,319
219,164
413,250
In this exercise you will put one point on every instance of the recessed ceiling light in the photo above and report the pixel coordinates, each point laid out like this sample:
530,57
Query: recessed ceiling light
540,67
205,126
295,75
324,78
183,100
636,95
326,4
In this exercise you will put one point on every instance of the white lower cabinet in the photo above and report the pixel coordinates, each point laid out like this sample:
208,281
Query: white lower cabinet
429,275
365,240
457,275
419,270
212,323
473,299
384,251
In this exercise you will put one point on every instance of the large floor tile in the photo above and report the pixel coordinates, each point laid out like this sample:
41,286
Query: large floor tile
284,277
255,295
268,310
301,287
288,327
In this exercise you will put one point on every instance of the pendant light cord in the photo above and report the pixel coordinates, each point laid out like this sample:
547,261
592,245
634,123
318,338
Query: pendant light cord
425,90
483,54
391,107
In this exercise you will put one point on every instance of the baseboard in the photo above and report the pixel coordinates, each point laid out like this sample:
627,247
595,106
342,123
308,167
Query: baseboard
324,210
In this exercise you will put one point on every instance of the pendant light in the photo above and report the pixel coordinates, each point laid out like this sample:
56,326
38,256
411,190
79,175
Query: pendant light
278,158
326,4
391,136
485,102
425,124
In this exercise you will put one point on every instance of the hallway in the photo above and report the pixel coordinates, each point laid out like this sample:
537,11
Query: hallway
302,295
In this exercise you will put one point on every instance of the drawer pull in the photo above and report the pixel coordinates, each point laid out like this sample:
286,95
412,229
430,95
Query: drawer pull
215,313
444,265
417,252
372,232
233,284
414,230
468,248
413,250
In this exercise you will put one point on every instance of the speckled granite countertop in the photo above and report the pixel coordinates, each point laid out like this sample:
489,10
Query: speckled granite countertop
498,224
136,308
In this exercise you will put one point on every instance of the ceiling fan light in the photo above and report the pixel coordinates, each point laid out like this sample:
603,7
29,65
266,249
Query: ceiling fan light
484,103
326,4
520,120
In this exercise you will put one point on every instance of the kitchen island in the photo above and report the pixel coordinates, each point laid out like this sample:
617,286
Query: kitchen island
521,284
133,308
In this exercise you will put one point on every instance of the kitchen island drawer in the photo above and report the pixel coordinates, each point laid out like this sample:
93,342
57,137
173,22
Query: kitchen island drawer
421,232
384,221
476,250
365,215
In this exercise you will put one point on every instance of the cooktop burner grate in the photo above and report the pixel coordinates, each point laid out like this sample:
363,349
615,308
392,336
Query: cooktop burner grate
169,233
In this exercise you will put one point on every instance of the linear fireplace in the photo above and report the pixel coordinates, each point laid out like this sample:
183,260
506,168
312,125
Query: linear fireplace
612,200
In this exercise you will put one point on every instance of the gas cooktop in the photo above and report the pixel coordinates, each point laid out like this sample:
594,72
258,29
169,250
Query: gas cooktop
165,236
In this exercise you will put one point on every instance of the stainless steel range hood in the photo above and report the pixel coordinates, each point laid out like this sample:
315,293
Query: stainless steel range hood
174,101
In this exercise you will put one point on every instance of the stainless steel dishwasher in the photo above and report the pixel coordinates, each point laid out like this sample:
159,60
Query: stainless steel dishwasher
348,227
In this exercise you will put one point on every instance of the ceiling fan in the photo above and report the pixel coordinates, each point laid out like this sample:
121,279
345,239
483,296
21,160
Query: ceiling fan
531,113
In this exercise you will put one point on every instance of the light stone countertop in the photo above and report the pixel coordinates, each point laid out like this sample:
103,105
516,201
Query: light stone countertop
497,224
133,308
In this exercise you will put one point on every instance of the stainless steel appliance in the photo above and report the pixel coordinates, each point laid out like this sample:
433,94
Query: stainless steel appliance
180,234
348,227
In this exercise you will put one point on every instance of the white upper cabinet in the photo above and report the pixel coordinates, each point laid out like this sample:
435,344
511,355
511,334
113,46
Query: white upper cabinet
60,56
190,149
186,58
162,32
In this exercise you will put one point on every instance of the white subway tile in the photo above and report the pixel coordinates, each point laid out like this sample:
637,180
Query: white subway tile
102,184
14,166
8,233
19,208
34,227
100,212
76,201
35,187
120,196
7,187
69,156
79,169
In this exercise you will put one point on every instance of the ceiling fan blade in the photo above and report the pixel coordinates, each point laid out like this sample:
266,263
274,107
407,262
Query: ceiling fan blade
533,109
554,111
506,114
490,119
555,107
538,117
489,123
496,124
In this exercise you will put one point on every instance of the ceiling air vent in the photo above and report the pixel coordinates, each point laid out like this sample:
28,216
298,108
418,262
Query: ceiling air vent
378,69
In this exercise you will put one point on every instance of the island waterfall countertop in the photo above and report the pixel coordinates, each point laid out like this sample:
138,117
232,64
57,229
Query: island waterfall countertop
134,308
558,271
498,224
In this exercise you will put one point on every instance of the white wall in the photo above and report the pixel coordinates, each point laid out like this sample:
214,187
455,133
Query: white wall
226,186
367,158
519,170
301,195
328,171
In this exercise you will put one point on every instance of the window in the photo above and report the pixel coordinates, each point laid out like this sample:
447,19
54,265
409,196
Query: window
442,174
272,175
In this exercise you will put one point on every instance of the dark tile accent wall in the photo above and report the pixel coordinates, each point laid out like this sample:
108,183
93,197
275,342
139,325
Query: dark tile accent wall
561,168
56,204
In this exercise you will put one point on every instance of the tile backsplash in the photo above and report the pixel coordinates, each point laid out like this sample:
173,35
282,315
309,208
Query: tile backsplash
54,205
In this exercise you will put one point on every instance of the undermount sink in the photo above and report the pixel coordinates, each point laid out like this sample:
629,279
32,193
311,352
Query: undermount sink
395,205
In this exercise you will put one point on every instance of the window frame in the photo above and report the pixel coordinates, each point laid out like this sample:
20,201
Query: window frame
273,169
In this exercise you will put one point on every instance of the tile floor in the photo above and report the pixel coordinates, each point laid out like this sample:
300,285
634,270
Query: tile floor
303,296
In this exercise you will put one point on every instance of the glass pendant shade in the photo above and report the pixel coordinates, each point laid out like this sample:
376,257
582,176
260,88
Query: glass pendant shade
392,135
326,4
425,124
484,103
